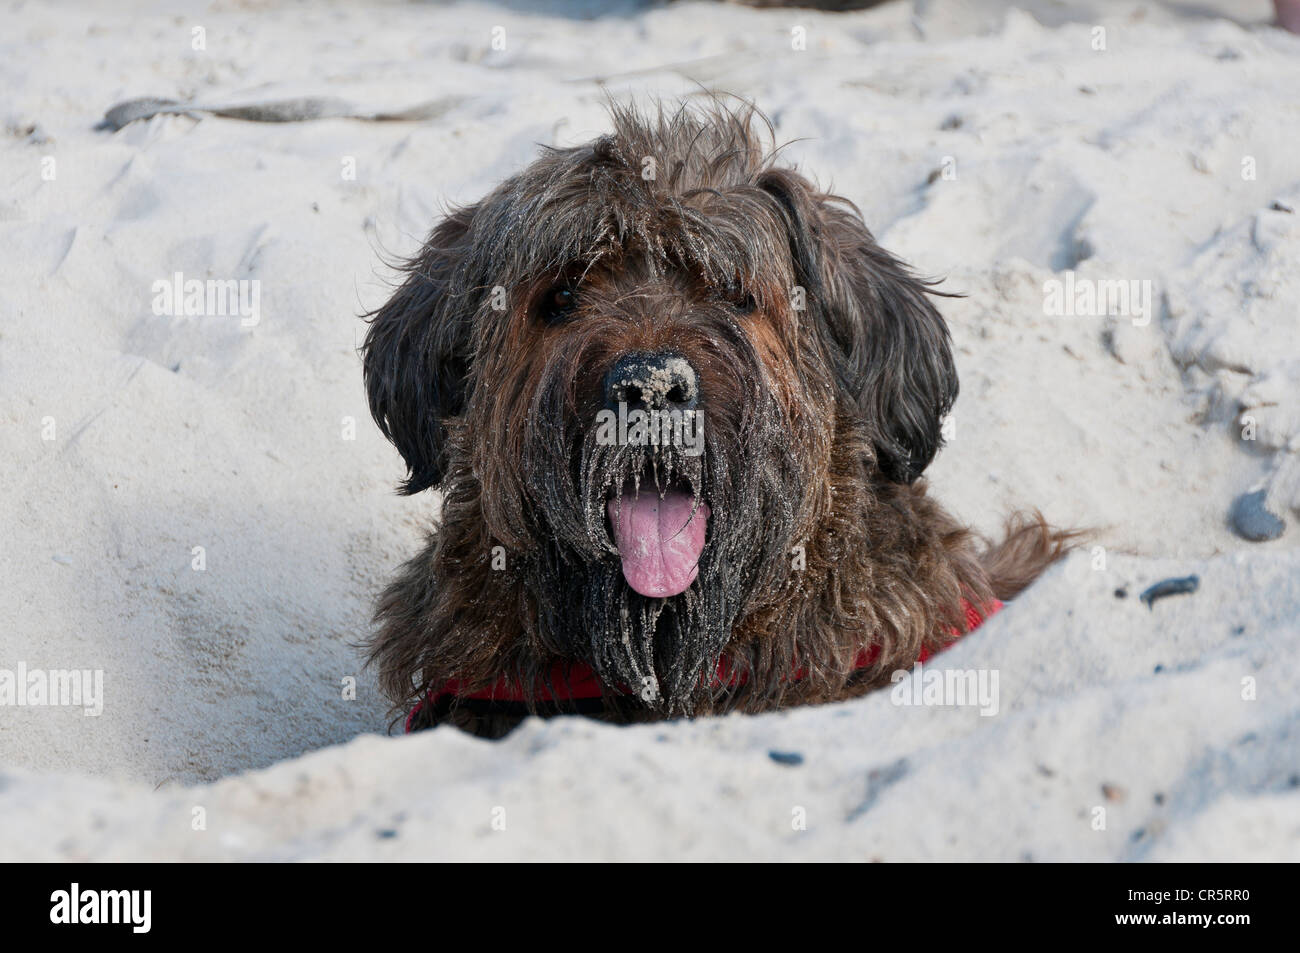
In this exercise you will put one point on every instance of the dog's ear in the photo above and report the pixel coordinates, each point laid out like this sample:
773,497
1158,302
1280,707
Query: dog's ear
417,351
888,345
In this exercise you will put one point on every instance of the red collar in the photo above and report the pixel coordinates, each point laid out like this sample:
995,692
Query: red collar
575,681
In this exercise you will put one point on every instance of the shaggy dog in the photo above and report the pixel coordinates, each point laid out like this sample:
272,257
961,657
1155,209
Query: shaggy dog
677,401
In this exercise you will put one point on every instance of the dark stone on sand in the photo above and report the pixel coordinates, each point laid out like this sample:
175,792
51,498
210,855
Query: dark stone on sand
1252,520
1183,585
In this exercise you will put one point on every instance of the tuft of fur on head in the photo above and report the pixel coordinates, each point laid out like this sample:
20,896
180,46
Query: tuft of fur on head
823,372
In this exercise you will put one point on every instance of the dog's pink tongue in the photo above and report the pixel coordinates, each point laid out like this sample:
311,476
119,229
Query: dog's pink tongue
659,539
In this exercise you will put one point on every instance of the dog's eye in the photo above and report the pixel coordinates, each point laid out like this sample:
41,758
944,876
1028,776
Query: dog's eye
558,303
740,299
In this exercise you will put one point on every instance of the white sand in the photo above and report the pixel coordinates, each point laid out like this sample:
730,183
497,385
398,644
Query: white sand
171,433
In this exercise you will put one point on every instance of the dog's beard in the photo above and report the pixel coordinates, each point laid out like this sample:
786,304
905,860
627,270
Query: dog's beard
737,500
648,509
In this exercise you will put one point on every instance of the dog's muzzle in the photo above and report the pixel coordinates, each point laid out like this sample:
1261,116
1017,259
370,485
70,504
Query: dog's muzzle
659,529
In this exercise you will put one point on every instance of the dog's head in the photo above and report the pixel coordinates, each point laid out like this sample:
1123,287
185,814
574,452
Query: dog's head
643,352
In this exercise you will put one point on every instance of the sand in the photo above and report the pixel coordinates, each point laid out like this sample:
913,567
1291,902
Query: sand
199,508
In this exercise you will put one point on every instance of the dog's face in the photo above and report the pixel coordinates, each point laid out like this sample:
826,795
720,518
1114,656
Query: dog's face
649,361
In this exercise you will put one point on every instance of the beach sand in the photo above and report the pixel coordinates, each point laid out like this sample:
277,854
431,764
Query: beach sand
200,508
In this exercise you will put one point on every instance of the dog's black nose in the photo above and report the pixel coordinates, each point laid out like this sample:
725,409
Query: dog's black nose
652,382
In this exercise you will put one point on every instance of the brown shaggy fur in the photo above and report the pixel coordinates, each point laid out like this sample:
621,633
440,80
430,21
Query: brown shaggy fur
823,374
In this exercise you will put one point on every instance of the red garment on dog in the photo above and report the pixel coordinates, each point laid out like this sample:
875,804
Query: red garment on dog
575,681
